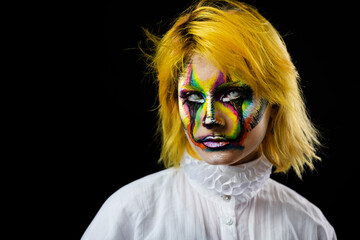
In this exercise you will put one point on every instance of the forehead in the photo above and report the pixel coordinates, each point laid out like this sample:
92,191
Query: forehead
204,69
201,73
205,82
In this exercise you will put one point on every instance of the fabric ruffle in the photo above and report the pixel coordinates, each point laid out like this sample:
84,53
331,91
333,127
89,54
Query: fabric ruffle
241,182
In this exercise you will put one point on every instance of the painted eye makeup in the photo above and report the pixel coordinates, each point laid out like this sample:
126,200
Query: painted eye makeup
231,96
192,97
195,98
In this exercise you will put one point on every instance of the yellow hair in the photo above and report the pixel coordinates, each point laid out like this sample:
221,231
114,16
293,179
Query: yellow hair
244,45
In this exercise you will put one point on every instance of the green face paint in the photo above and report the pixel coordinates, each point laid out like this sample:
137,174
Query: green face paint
202,102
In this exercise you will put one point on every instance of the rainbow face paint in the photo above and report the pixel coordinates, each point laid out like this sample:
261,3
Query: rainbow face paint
217,113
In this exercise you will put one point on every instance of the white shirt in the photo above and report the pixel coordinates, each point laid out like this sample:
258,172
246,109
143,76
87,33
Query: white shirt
203,201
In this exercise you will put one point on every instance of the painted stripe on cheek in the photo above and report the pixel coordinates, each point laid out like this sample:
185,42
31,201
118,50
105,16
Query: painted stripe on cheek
230,112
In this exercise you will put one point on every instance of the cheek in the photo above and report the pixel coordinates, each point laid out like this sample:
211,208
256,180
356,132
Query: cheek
231,118
248,108
191,116
257,134
254,112
197,119
184,114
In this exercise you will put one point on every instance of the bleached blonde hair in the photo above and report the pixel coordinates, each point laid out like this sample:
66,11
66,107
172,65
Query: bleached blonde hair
244,45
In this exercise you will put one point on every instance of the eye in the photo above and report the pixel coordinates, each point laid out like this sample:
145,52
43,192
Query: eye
231,96
195,98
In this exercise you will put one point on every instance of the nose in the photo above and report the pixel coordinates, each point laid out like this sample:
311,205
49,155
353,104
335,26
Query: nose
210,121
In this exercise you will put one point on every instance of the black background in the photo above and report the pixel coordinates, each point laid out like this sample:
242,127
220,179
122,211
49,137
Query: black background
102,121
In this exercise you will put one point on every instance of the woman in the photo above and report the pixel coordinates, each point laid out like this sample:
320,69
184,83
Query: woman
230,110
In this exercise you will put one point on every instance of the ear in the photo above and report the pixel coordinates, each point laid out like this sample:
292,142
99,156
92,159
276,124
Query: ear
274,110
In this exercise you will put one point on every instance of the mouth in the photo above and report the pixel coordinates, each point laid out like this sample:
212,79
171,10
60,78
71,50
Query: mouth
215,142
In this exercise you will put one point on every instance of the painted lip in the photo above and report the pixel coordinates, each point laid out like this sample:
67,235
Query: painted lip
215,142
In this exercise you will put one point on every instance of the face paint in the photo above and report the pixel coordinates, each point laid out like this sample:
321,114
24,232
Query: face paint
217,113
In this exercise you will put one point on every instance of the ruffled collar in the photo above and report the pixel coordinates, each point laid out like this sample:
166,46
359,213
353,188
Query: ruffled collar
242,181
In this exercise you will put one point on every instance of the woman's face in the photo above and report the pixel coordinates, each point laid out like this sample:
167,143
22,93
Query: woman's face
223,120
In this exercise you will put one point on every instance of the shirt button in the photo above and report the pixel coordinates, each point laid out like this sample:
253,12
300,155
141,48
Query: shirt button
226,198
229,221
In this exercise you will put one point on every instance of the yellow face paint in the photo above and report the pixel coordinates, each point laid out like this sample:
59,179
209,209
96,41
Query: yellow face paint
222,110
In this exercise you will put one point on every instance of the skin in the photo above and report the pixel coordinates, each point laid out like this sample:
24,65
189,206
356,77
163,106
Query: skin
224,121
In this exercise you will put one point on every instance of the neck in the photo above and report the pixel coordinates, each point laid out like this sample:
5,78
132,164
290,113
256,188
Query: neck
250,157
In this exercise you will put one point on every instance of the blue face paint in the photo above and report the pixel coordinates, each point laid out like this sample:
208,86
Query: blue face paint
202,99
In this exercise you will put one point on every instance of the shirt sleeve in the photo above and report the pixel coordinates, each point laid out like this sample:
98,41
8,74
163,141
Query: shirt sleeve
326,232
118,218
295,216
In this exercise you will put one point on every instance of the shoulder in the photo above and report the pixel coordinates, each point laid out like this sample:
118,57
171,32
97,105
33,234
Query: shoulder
298,211
136,195
147,186
130,205
280,193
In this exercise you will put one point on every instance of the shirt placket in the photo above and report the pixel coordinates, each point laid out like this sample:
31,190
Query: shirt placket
228,217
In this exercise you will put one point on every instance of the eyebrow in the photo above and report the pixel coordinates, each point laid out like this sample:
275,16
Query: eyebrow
228,85
220,88
190,87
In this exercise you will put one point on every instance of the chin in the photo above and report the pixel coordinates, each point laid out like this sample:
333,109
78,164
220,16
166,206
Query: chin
232,156
226,157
